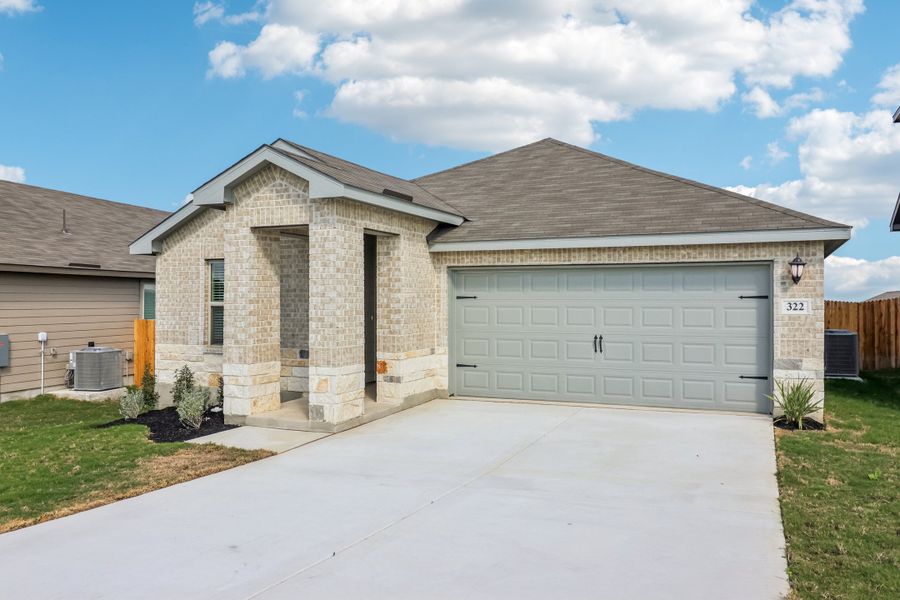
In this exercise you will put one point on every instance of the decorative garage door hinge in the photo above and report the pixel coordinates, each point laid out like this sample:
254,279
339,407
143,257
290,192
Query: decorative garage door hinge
465,365
764,377
753,297
466,297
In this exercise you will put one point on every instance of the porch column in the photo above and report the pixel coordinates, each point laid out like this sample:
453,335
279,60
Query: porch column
252,337
336,318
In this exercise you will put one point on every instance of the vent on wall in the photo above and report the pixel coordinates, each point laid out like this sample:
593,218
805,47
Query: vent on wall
98,369
841,353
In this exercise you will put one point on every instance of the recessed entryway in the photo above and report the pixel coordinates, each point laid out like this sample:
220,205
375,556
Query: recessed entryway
370,298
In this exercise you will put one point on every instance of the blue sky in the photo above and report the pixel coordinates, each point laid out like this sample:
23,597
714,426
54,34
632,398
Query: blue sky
143,101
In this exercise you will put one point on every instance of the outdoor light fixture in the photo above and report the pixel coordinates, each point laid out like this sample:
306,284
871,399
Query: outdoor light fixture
797,265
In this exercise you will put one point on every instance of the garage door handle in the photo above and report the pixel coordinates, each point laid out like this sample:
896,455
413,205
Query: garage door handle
465,365
754,377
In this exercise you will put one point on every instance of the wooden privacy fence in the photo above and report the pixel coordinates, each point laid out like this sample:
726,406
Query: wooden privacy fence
144,347
878,324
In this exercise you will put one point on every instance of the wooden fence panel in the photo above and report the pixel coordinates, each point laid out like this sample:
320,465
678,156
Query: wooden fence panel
877,323
144,347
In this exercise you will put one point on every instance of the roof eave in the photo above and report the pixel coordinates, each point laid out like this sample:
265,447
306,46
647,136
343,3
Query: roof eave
57,270
833,237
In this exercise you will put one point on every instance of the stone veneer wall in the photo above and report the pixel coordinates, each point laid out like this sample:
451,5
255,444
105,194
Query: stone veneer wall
798,339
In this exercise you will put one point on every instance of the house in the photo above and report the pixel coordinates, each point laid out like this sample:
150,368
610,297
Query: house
65,269
895,218
547,272
885,296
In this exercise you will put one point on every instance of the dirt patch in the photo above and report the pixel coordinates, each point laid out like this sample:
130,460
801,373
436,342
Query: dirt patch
165,427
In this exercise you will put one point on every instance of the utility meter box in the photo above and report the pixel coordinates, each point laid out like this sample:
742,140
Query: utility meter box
4,350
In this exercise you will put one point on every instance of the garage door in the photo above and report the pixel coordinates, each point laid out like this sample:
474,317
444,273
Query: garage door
686,336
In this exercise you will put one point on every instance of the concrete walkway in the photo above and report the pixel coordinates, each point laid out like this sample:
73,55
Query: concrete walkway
452,499
260,438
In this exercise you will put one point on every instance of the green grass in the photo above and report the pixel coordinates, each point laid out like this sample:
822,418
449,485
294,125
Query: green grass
54,460
840,493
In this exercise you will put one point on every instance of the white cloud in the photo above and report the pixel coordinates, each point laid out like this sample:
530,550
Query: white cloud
889,86
848,162
204,12
298,112
764,106
481,75
15,174
278,49
746,162
18,6
805,38
775,153
858,279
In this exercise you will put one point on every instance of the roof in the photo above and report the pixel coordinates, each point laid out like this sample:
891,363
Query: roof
885,296
895,219
99,231
897,115
547,194
550,189
366,179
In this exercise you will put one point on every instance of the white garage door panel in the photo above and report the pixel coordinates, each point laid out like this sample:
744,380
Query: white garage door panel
672,336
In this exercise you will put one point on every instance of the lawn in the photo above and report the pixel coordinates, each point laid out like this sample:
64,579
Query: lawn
840,493
56,460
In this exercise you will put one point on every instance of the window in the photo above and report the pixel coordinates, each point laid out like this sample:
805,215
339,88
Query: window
216,302
148,301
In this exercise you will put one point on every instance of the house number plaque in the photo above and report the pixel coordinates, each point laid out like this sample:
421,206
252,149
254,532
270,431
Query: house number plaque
795,306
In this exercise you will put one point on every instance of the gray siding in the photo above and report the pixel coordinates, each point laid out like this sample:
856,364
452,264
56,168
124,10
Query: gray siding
72,310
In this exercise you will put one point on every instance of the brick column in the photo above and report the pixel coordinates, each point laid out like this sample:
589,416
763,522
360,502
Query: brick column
336,317
252,352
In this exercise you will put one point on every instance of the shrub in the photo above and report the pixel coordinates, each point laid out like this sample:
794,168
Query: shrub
131,404
184,383
221,391
192,407
796,400
148,389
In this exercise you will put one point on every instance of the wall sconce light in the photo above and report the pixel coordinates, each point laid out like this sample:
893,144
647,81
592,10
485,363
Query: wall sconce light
797,265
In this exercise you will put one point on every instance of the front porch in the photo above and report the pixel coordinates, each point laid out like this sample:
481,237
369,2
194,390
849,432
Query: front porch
307,304
293,414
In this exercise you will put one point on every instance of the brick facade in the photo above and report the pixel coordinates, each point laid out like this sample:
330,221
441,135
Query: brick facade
294,306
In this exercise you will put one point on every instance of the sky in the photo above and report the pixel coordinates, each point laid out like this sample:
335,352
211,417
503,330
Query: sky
788,101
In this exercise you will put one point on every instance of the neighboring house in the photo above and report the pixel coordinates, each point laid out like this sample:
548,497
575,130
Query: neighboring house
895,218
885,296
547,272
65,270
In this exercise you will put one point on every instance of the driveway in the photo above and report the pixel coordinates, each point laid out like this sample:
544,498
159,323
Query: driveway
452,499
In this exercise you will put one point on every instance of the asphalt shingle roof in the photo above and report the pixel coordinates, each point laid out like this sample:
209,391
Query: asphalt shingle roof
367,179
550,189
31,222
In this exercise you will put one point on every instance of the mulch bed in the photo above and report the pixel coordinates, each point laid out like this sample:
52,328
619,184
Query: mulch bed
165,427
807,424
